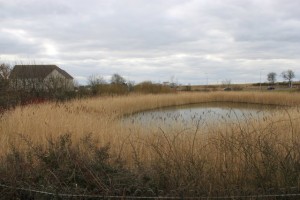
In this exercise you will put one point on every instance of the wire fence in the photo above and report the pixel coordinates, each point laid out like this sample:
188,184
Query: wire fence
292,193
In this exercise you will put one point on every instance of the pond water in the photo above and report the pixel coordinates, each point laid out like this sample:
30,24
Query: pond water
208,113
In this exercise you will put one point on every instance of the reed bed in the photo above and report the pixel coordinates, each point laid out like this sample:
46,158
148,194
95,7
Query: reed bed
249,153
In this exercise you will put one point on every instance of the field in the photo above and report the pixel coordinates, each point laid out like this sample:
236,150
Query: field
280,86
81,145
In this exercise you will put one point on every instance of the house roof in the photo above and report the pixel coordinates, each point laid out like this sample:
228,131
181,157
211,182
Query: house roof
35,71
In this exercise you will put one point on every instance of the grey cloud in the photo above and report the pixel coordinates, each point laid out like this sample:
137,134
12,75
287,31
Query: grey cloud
155,39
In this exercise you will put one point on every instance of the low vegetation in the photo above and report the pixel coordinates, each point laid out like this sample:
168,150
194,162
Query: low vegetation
147,87
81,146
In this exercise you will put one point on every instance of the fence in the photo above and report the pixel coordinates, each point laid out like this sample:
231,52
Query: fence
291,193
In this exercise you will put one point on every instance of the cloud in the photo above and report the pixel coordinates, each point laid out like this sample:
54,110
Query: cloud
153,40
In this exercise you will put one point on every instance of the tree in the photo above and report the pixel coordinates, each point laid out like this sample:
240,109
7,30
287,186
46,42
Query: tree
173,82
56,84
226,83
271,77
118,85
117,79
288,75
4,71
130,85
96,80
97,84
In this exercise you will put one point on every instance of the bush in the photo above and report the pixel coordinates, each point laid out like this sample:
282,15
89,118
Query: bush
149,87
118,89
237,88
63,167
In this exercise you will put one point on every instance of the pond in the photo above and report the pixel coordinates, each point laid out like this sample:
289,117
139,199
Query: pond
205,113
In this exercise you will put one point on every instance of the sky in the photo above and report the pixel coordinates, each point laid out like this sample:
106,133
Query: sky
185,41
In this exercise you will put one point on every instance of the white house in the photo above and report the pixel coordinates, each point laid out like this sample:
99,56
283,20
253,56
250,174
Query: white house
40,77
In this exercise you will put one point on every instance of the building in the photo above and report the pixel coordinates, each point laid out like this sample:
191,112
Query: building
40,77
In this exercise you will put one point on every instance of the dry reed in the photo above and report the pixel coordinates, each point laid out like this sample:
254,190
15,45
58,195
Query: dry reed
254,153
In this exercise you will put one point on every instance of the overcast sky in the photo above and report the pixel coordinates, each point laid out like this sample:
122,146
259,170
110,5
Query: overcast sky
193,41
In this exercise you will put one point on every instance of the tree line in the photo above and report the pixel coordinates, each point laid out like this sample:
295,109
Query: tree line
119,85
287,75
97,85
35,91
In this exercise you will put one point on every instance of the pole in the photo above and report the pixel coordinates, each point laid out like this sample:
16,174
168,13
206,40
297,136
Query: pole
260,80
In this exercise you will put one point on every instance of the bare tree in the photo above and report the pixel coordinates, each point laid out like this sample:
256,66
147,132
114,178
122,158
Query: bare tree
55,84
5,70
226,83
96,80
288,75
271,77
173,82
130,85
118,85
117,79
96,83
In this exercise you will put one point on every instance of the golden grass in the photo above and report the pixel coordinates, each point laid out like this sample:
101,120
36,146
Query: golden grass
99,115
230,151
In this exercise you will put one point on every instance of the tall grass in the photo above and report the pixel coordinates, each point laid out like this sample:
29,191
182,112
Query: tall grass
249,153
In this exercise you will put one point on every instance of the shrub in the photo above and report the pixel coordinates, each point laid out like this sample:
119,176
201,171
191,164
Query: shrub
64,167
149,87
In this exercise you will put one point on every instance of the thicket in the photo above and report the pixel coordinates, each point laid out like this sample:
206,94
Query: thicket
230,164
152,88
59,166
10,97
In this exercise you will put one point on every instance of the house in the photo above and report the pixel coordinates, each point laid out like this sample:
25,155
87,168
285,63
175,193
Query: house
40,77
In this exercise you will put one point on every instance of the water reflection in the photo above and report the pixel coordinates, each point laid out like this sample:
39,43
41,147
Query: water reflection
208,113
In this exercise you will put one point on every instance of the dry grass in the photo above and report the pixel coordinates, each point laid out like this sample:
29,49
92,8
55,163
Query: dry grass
98,116
253,153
